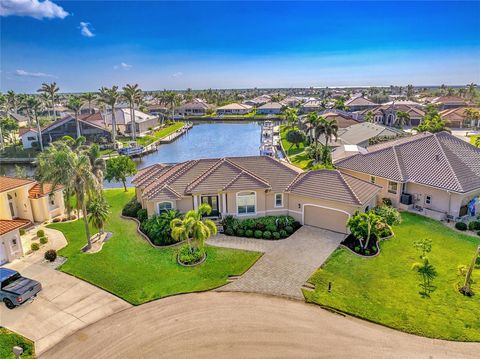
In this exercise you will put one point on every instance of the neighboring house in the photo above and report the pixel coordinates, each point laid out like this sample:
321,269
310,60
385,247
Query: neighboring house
344,151
143,122
291,101
23,201
21,120
387,114
271,108
359,103
255,186
311,106
234,109
29,137
196,107
258,101
85,110
344,119
434,174
157,110
446,102
456,118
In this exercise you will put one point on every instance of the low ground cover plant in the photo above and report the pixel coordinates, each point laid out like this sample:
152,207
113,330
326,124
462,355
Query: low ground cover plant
268,227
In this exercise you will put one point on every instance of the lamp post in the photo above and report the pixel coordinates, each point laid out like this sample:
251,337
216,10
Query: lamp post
17,351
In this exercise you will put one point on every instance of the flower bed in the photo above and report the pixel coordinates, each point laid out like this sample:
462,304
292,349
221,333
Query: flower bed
268,227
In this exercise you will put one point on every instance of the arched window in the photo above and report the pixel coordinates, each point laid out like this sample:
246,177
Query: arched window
165,206
246,203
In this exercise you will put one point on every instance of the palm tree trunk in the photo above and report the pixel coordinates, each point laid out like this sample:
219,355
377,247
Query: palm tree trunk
466,289
1,139
134,125
114,128
40,140
78,124
85,221
125,185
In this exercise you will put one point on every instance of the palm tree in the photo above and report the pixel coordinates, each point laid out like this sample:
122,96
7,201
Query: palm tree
33,105
172,99
428,272
403,118
97,162
133,95
311,122
50,91
369,116
98,212
193,228
75,104
291,116
3,107
12,101
471,90
60,165
89,97
110,96
327,128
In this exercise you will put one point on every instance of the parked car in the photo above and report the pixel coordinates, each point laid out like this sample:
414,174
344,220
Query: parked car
15,290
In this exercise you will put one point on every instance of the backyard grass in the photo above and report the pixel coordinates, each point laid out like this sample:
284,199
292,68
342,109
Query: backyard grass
155,136
9,339
297,155
130,268
385,289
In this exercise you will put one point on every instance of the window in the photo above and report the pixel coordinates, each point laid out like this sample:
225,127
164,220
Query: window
246,203
164,206
30,138
392,187
278,199
373,179
428,199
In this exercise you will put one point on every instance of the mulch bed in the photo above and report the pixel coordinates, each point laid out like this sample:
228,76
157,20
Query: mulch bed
351,242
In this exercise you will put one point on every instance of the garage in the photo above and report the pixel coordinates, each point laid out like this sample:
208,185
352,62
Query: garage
325,218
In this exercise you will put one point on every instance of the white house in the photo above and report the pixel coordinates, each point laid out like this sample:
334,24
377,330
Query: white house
234,109
28,137
271,108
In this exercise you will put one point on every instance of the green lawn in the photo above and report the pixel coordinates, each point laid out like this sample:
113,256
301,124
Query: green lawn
10,339
473,139
385,289
130,268
155,136
296,154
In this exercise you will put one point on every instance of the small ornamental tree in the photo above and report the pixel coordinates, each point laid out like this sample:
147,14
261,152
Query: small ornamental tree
467,289
423,245
363,225
427,272
119,168
295,137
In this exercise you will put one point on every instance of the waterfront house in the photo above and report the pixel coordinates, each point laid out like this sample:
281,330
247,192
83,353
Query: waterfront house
387,114
344,119
255,186
437,175
291,101
28,136
447,102
311,106
270,108
359,103
143,122
457,118
195,108
234,109
258,101
21,120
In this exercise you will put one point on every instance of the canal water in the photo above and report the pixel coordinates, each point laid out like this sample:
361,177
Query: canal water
203,140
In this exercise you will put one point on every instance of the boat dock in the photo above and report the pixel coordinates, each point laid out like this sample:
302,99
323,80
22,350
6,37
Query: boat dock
270,140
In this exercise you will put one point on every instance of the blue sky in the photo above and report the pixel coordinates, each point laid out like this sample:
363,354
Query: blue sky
88,44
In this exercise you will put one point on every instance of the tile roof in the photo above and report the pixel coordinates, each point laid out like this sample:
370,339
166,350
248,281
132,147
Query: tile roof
235,106
334,186
8,183
38,190
439,160
23,131
271,105
359,101
7,226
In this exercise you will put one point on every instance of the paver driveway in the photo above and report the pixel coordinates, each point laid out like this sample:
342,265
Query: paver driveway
65,304
286,265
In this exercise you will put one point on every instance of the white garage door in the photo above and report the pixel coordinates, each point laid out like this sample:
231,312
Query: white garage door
325,218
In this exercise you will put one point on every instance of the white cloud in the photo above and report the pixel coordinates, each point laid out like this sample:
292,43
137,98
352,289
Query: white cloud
177,74
85,31
33,8
24,73
123,66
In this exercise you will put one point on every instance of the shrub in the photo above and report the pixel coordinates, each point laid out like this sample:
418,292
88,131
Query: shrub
289,229
267,234
187,256
474,225
367,252
40,233
142,214
240,232
258,233
259,226
56,220
271,227
283,233
276,235
296,225
50,255
249,233
43,240
295,137
230,221
374,249
22,231
390,215
35,246
461,226
131,208
357,249
229,231
387,202
157,228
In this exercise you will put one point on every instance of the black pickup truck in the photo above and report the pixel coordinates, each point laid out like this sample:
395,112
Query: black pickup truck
15,289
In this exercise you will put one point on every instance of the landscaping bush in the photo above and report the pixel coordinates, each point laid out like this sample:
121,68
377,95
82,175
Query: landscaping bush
40,233
260,226
158,228
389,214
296,225
240,232
50,255
229,231
73,217
186,256
131,208
22,231
56,220
231,222
474,225
35,246
357,249
267,234
461,226
271,227
283,233
387,202
276,235
249,233
289,229
258,234
142,214
43,240
267,223
478,234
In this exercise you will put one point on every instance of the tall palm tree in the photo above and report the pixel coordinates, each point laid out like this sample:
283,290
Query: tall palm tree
110,97
60,165
98,212
133,95
328,129
50,90
97,162
3,108
33,106
193,228
12,101
172,99
311,122
89,97
74,104
403,118
471,90
291,116
369,116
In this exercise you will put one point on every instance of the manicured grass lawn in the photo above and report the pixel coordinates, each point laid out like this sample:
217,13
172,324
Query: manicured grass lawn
385,289
130,268
155,136
10,339
473,139
296,155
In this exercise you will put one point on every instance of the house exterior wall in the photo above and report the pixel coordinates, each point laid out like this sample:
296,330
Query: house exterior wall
269,111
44,211
21,204
28,138
12,245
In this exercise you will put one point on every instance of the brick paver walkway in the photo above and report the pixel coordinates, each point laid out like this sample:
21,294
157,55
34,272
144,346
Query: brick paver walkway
286,264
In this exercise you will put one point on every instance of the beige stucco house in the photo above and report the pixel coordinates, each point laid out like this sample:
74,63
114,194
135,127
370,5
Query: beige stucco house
437,175
255,186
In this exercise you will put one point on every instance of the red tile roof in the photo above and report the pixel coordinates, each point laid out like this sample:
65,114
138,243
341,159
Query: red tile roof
7,226
38,190
9,183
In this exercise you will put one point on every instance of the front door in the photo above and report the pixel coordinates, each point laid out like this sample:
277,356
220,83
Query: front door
212,201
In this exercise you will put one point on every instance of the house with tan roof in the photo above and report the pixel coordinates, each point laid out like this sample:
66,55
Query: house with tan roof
446,102
270,108
387,114
197,107
234,109
123,119
255,186
458,117
437,175
359,103
23,201
311,106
